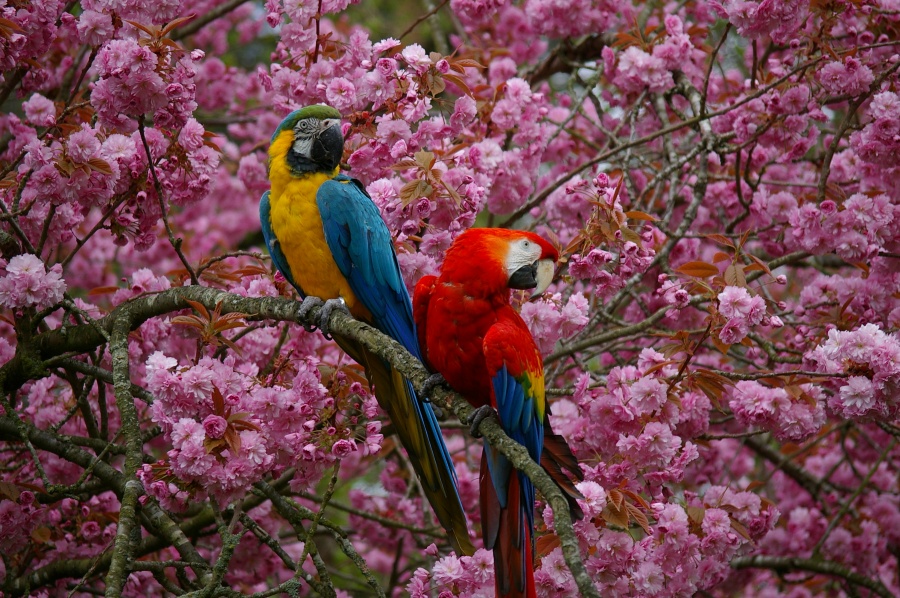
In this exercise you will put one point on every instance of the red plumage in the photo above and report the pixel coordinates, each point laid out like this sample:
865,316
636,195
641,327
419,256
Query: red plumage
471,335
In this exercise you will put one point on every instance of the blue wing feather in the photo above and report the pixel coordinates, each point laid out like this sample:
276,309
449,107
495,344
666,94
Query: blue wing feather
363,250
265,219
518,418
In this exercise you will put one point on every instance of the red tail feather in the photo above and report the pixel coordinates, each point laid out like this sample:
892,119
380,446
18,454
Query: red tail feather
513,558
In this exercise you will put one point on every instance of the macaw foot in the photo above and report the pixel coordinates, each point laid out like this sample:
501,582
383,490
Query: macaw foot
327,308
306,306
476,417
431,382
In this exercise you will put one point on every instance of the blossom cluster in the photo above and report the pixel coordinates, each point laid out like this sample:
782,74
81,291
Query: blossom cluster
227,432
870,360
27,283
721,346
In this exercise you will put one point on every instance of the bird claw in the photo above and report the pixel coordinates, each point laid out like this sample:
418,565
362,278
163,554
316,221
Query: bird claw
477,416
431,382
325,311
308,304
329,308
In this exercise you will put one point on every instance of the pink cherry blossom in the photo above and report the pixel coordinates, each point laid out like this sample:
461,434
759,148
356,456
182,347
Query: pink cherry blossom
27,283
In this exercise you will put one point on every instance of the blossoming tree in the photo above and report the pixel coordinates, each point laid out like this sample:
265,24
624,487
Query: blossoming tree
721,347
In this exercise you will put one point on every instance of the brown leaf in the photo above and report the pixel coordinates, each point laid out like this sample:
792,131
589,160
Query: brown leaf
636,498
175,23
720,345
100,165
413,190
740,529
458,81
11,25
721,240
192,321
436,83
659,366
199,308
102,290
638,215
424,159
233,439
630,235
9,490
721,256
218,401
734,276
41,534
615,497
467,63
698,269
143,28
546,543
614,516
638,516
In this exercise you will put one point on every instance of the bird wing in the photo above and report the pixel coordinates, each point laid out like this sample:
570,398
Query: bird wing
363,250
507,495
278,258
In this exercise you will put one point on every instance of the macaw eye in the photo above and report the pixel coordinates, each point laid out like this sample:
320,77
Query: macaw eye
307,125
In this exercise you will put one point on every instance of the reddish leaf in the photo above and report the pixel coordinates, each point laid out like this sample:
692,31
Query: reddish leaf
720,257
721,240
9,490
638,516
614,516
741,530
233,440
41,534
734,276
468,63
546,543
759,263
638,215
424,159
458,81
102,290
100,165
698,269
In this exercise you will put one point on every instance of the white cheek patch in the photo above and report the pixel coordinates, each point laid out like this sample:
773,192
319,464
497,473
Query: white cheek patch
303,146
520,255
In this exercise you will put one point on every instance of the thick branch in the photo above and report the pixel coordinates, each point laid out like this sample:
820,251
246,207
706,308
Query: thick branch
792,565
85,337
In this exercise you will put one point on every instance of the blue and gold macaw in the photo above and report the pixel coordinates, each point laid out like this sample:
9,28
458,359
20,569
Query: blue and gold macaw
327,238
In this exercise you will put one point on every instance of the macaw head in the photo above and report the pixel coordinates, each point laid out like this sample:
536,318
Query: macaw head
495,260
309,140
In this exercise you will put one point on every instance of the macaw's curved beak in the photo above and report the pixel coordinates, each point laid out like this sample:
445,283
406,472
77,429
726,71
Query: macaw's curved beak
537,275
328,146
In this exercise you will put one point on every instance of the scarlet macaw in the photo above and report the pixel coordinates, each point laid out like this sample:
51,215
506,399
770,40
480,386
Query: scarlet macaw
327,238
479,343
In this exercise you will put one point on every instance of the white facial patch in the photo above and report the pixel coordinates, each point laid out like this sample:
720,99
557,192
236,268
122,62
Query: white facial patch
305,132
522,252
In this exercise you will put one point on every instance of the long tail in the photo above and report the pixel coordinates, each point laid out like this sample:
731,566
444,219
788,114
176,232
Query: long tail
420,435
556,456
509,530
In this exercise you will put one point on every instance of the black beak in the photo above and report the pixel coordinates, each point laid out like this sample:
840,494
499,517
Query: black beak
328,147
524,278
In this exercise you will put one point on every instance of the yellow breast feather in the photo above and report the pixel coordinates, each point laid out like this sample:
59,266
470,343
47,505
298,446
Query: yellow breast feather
297,225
